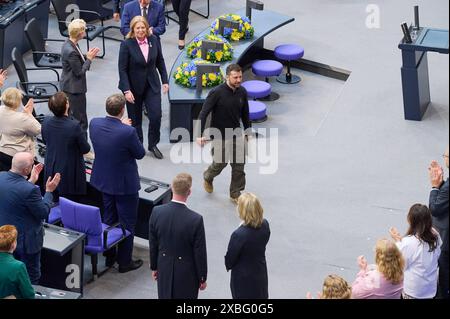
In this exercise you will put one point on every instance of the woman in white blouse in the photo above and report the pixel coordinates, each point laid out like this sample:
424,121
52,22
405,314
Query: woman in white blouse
18,129
421,249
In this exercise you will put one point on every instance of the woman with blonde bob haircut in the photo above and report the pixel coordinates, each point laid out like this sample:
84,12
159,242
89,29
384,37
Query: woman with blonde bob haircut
14,279
246,255
140,61
383,280
334,287
18,129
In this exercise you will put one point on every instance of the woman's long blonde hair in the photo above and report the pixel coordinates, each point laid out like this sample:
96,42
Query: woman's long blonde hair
250,210
389,260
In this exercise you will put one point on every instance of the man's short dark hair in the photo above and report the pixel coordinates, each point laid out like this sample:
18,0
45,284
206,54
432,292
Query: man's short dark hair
115,104
233,67
57,104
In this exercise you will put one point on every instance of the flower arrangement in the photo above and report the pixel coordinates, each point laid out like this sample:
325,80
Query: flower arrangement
186,75
194,49
245,30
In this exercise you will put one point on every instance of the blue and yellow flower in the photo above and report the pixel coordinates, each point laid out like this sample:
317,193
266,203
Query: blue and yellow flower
194,49
186,75
245,30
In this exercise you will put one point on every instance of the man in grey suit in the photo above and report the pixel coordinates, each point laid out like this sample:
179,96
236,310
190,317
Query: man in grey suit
22,205
75,65
439,210
177,245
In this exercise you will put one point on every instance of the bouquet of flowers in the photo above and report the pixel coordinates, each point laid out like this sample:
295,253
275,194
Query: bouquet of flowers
245,30
194,49
186,75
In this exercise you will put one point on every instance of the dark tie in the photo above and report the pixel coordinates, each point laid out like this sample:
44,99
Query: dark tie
144,13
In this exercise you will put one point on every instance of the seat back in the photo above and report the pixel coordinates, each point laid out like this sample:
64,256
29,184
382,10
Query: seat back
65,13
34,36
82,218
19,65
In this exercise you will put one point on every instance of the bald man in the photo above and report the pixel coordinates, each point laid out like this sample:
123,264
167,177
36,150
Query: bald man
22,205
439,210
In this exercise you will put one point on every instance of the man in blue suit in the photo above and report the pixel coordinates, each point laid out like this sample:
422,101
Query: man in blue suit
115,174
152,10
22,205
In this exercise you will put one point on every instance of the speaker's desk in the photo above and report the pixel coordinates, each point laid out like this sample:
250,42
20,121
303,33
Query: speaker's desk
415,81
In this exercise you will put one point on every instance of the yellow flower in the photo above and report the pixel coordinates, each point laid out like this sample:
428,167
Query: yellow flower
219,55
212,77
192,73
236,17
247,26
235,36
186,73
177,76
204,77
178,69
185,65
199,53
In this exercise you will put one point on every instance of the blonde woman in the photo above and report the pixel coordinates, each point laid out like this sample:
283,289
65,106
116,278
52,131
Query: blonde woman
140,60
75,65
246,255
18,128
334,287
383,280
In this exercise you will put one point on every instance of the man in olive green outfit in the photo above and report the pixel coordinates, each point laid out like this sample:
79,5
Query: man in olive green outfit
14,279
229,106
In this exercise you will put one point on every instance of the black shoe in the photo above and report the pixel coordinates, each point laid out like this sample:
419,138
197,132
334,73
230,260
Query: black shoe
181,47
156,152
109,262
134,264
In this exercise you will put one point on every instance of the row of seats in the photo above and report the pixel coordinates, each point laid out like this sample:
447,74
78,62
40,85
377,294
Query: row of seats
262,90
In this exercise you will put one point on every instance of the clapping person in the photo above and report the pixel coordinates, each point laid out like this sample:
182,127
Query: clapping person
439,208
246,254
3,77
421,249
18,129
384,280
140,60
75,65
66,143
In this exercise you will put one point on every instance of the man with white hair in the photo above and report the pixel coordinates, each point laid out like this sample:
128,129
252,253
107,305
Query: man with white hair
22,205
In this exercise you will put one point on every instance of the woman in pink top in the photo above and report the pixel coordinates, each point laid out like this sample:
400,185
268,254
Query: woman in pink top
383,280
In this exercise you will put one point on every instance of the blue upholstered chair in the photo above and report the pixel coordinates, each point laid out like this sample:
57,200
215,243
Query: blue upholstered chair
86,219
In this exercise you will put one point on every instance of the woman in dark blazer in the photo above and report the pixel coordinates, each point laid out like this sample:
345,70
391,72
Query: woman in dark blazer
75,65
139,58
246,251
66,143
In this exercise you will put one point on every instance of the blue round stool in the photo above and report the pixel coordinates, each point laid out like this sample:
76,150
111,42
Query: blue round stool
267,68
257,89
257,111
289,52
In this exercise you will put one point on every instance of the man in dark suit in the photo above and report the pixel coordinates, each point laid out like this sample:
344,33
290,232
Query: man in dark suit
22,205
115,174
150,9
439,210
178,245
